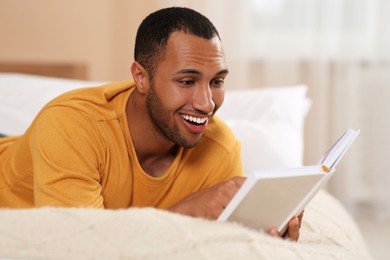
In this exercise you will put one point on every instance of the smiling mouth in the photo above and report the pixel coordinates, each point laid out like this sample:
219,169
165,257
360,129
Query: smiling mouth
195,120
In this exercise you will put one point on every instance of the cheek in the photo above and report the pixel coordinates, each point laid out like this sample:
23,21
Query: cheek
180,94
175,98
218,97
165,91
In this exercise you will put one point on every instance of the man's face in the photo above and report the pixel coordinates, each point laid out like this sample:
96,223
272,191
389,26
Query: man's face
187,87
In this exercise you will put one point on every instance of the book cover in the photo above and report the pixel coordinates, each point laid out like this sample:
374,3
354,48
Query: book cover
271,198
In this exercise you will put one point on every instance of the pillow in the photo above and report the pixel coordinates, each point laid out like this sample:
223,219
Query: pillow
269,123
24,95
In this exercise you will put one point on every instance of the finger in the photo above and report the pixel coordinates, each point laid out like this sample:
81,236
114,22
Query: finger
231,186
224,194
273,232
220,198
293,229
238,180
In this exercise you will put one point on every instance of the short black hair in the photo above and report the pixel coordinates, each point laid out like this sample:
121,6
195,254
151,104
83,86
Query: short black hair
156,28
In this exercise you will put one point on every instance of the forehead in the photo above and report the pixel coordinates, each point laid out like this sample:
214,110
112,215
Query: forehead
189,51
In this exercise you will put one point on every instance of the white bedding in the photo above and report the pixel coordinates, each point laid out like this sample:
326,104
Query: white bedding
328,232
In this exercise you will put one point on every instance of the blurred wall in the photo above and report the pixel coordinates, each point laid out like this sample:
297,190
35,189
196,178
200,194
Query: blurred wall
99,33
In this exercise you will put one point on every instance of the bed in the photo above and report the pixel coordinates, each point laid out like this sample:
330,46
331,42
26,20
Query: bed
269,123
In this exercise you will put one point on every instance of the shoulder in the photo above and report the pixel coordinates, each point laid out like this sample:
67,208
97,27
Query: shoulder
103,93
219,153
100,102
219,134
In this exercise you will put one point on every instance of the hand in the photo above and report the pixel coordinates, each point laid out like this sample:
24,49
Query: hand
209,203
292,232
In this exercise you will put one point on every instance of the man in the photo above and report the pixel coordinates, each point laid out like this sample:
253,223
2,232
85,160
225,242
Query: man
153,142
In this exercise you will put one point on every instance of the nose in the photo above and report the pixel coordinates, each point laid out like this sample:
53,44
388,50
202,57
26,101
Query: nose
203,99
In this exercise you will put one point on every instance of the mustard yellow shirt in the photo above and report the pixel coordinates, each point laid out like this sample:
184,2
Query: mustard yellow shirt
78,152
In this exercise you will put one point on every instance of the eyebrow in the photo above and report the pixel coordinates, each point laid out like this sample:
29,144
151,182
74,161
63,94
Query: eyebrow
194,71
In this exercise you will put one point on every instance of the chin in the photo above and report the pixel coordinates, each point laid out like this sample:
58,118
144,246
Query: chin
189,143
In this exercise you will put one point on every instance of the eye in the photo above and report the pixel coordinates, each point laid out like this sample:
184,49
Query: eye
186,82
219,82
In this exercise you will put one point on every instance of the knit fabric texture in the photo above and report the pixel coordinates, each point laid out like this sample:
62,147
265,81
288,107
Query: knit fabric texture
328,232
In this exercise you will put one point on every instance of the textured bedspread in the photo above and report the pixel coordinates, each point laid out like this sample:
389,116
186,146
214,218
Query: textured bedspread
328,232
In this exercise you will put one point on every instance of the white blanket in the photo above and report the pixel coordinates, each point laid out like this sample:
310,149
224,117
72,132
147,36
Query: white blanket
328,232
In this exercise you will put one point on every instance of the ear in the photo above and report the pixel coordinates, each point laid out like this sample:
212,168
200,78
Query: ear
140,77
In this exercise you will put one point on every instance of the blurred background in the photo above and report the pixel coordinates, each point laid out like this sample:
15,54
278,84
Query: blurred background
339,48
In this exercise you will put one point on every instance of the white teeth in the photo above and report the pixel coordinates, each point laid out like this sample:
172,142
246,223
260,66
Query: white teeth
197,120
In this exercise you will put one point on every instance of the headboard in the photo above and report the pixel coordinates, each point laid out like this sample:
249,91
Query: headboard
58,70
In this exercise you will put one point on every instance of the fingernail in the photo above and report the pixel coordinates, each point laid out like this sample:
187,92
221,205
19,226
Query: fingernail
274,232
296,222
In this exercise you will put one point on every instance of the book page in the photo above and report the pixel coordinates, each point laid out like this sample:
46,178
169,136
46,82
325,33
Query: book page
337,150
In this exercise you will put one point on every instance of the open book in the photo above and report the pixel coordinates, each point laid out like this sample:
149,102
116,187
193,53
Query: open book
271,198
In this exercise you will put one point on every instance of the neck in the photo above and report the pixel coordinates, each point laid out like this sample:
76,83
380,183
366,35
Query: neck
154,152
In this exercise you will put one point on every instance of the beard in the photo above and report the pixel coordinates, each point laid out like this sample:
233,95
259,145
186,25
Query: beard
160,118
